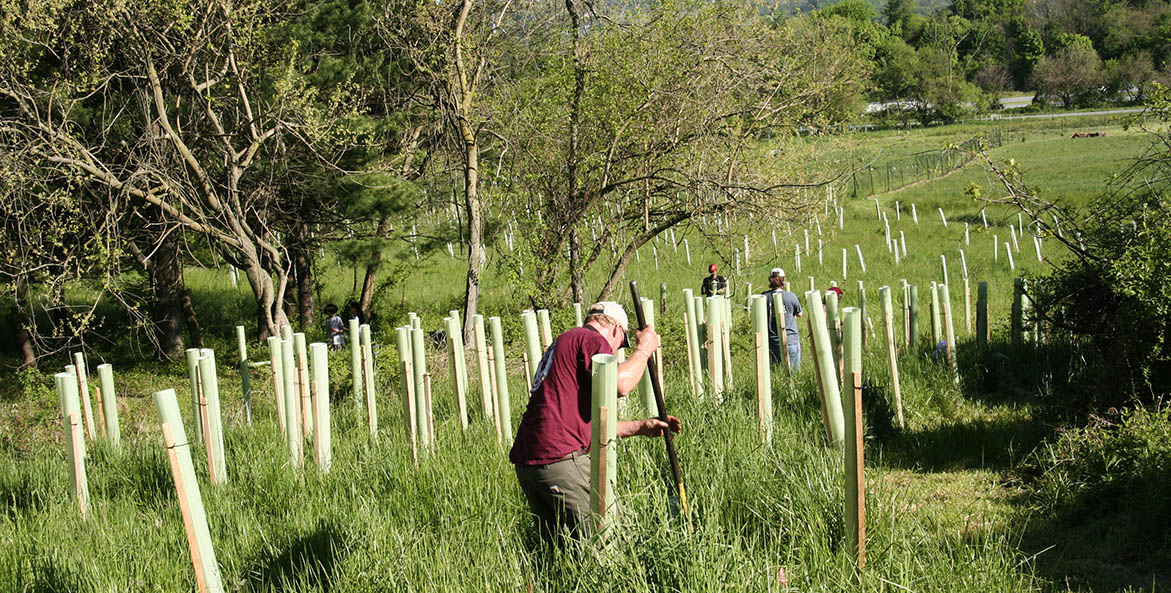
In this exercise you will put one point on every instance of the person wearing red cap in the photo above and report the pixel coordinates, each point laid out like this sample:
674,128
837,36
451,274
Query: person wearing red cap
551,450
714,284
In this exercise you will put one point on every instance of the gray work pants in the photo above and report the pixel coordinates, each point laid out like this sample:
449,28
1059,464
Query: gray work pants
559,495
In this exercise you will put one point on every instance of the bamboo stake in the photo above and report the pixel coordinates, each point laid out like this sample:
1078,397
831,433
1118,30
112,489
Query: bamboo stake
83,387
110,404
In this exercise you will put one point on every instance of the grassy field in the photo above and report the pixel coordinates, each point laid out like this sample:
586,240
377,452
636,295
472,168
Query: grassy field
945,512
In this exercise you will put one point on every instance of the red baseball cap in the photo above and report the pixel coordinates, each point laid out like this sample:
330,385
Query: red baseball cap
712,268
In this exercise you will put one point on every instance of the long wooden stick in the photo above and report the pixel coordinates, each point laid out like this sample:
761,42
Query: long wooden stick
184,508
656,385
78,461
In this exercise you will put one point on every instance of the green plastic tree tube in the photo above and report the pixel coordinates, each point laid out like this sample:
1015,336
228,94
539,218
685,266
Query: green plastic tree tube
663,298
913,317
110,406
198,535
603,440
501,379
292,409
546,330
715,346
407,382
356,360
482,363
865,315
287,332
764,390
211,392
833,323
242,363
888,328
949,334
461,361
726,340
300,348
193,379
368,386
278,378
825,365
455,351
644,385
419,369
982,315
532,343
701,337
782,332
693,339
1018,293
577,314
855,481
936,316
323,443
66,384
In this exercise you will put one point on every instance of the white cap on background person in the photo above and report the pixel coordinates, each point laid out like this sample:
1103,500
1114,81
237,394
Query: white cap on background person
778,272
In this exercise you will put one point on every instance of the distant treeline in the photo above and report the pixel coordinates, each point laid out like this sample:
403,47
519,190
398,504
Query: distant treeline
939,61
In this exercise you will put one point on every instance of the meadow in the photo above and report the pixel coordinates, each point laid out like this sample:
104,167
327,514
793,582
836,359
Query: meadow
945,511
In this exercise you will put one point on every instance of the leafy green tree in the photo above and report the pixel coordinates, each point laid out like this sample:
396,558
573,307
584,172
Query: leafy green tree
630,126
1072,75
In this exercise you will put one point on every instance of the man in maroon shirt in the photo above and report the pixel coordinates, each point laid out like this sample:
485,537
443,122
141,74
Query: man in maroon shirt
551,451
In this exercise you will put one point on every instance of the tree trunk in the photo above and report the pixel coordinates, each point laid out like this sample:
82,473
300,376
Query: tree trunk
166,275
21,322
576,272
371,279
475,231
302,253
269,295
194,332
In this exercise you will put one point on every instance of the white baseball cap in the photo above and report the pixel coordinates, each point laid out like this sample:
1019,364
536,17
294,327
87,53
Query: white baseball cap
778,272
614,311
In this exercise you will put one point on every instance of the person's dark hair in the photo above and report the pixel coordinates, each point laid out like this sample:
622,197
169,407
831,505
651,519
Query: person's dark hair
775,282
331,309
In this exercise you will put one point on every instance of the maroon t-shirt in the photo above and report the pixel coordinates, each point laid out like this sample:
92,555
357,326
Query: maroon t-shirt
557,421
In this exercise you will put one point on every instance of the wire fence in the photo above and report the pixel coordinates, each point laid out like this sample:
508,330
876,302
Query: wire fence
891,175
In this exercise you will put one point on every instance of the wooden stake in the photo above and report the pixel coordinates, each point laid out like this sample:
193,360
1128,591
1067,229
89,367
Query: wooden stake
430,410
184,509
101,413
211,473
83,389
78,463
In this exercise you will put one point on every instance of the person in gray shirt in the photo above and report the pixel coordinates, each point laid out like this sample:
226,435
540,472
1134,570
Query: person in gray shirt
793,310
